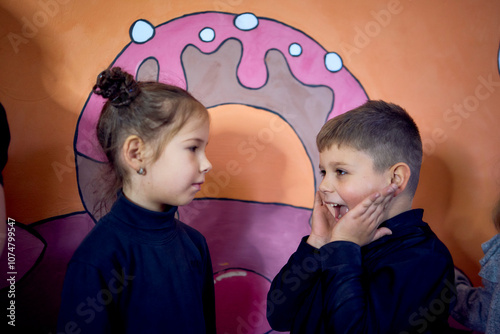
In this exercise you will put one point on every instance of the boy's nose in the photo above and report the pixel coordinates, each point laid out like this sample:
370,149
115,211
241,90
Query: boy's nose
325,186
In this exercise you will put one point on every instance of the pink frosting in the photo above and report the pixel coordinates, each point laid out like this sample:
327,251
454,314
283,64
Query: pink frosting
171,38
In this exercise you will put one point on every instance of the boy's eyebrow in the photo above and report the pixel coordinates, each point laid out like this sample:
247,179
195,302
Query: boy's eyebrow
335,164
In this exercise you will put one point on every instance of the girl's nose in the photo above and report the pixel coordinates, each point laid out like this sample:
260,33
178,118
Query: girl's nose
206,166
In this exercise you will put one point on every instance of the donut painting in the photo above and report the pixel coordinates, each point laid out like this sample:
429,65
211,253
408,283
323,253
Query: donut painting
268,88
241,68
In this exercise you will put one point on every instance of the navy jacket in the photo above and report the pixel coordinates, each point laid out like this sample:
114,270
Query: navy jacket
139,271
402,283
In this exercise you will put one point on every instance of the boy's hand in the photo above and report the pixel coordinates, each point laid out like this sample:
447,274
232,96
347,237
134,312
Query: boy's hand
323,222
360,225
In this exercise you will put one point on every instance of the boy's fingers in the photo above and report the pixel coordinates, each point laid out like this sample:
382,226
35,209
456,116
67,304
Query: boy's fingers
390,189
381,196
386,201
373,198
387,195
317,199
383,231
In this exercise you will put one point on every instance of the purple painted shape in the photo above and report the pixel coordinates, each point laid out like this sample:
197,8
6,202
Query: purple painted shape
241,302
38,294
249,243
255,236
28,249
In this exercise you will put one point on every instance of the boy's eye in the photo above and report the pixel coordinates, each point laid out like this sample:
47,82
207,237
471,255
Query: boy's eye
340,172
322,173
193,148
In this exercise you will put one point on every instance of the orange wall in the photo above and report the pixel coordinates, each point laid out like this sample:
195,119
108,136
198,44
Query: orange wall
431,57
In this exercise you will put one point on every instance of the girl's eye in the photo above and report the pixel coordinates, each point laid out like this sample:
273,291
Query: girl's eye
340,172
322,173
193,148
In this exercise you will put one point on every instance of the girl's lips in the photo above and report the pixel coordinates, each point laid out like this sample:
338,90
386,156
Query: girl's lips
197,186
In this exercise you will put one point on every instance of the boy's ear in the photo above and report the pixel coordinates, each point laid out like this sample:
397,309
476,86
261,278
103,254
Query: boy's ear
400,175
133,152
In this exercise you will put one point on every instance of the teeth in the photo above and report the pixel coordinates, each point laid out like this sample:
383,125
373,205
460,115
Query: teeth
334,205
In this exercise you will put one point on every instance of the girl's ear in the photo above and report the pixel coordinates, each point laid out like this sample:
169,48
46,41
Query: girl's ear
134,152
400,175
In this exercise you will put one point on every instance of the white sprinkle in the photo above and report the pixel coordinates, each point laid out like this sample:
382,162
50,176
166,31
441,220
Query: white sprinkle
295,49
207,35
246,21
232,273
142,31
333,62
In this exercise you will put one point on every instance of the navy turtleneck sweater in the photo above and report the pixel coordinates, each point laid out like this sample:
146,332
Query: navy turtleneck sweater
139,271
402,283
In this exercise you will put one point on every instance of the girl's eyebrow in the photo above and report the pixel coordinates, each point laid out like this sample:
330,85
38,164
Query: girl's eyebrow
199,140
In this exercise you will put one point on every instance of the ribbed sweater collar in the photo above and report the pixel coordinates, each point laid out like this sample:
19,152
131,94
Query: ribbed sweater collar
142,224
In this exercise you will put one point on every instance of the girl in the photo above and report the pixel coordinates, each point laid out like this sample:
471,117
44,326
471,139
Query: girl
140,270
479,307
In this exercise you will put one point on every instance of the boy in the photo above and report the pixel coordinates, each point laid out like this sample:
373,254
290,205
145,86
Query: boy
350,275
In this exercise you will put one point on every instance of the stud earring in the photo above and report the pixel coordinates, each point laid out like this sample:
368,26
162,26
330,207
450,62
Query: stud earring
141,171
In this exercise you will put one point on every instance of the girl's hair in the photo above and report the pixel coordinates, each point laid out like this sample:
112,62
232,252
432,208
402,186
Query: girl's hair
153,111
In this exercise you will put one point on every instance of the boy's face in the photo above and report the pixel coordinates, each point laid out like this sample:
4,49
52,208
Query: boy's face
348,178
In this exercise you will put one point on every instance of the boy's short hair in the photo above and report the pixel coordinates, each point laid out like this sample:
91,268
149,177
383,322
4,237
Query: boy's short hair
385,131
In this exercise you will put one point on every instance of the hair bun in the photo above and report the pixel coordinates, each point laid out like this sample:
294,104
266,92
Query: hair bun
119,87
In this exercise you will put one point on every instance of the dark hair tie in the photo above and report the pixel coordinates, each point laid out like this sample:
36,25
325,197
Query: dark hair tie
119,87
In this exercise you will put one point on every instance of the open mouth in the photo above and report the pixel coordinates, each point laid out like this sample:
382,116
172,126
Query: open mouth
338,210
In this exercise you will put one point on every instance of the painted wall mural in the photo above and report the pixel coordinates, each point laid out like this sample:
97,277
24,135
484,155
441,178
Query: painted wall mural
269,87
235,65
